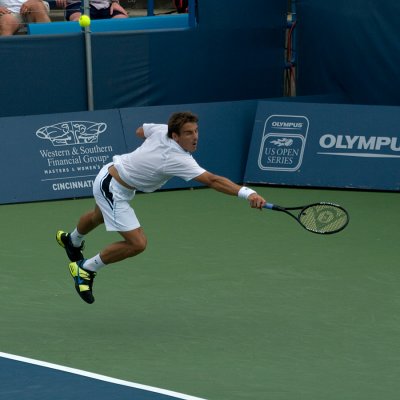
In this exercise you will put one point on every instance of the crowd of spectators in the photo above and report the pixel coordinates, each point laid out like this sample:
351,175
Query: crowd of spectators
15,14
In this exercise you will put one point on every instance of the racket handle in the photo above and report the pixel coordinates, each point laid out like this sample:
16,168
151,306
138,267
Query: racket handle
270,206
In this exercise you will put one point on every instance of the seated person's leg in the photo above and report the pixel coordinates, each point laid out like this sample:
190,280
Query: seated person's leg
38,11
118,11
114,11
73,12
119,14
10,24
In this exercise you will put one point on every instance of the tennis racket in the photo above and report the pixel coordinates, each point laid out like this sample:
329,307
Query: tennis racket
322,218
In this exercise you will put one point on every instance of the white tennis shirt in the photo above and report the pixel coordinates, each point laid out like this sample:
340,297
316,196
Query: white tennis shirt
156,161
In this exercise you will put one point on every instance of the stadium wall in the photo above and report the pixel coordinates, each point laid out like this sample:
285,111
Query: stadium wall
57,156
325,145
349,48
235,53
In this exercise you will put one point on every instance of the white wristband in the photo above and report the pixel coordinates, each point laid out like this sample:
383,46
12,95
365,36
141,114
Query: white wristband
245,192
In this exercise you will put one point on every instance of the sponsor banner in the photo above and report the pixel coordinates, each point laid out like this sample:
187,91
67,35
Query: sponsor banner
57,156
325,145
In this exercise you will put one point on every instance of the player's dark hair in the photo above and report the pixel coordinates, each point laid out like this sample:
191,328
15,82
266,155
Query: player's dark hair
178,119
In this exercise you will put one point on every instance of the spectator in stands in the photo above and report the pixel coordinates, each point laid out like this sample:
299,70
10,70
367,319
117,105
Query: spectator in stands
14,14
99,9
182,6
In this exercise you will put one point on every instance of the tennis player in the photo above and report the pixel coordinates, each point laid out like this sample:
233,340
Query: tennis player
165,153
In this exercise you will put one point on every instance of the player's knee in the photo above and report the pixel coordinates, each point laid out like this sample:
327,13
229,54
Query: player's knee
139,246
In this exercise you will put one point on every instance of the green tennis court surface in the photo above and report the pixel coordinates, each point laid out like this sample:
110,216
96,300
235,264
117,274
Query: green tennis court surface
227,303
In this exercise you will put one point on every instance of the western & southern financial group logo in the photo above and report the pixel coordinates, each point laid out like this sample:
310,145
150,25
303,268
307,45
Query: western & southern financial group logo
75,156
72,132
283,142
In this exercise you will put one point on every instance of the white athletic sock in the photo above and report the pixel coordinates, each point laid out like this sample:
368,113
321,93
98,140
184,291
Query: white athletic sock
76,238
94,263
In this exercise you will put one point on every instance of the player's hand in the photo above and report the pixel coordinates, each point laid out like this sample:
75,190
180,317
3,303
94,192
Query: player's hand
256,201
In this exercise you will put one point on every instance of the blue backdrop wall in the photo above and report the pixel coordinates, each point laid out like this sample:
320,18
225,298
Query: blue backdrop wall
235,53
350,48
65,151
347,49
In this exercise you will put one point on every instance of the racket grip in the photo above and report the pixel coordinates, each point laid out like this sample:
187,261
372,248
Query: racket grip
270,206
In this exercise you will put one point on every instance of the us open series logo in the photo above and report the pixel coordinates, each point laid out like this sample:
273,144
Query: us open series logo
283,143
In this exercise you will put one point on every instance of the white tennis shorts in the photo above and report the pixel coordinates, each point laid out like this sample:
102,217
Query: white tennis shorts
113,201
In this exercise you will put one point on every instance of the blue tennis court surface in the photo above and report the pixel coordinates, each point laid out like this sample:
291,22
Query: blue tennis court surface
26,379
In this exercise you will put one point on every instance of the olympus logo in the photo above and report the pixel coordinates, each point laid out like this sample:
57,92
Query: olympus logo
360,146
287,125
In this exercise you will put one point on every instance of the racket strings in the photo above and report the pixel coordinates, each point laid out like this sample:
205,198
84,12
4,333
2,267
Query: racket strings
323,218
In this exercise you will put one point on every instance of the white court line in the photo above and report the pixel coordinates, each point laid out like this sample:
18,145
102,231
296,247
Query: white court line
99,377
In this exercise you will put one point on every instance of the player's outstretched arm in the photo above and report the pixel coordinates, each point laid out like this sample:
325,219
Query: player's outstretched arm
140,132
225,185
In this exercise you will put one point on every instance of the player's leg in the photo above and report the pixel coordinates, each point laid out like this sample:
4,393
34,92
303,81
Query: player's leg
113,208
73,242
134,243
84,271
120,218
90,220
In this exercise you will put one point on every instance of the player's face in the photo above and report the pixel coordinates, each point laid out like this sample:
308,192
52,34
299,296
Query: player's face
188,137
